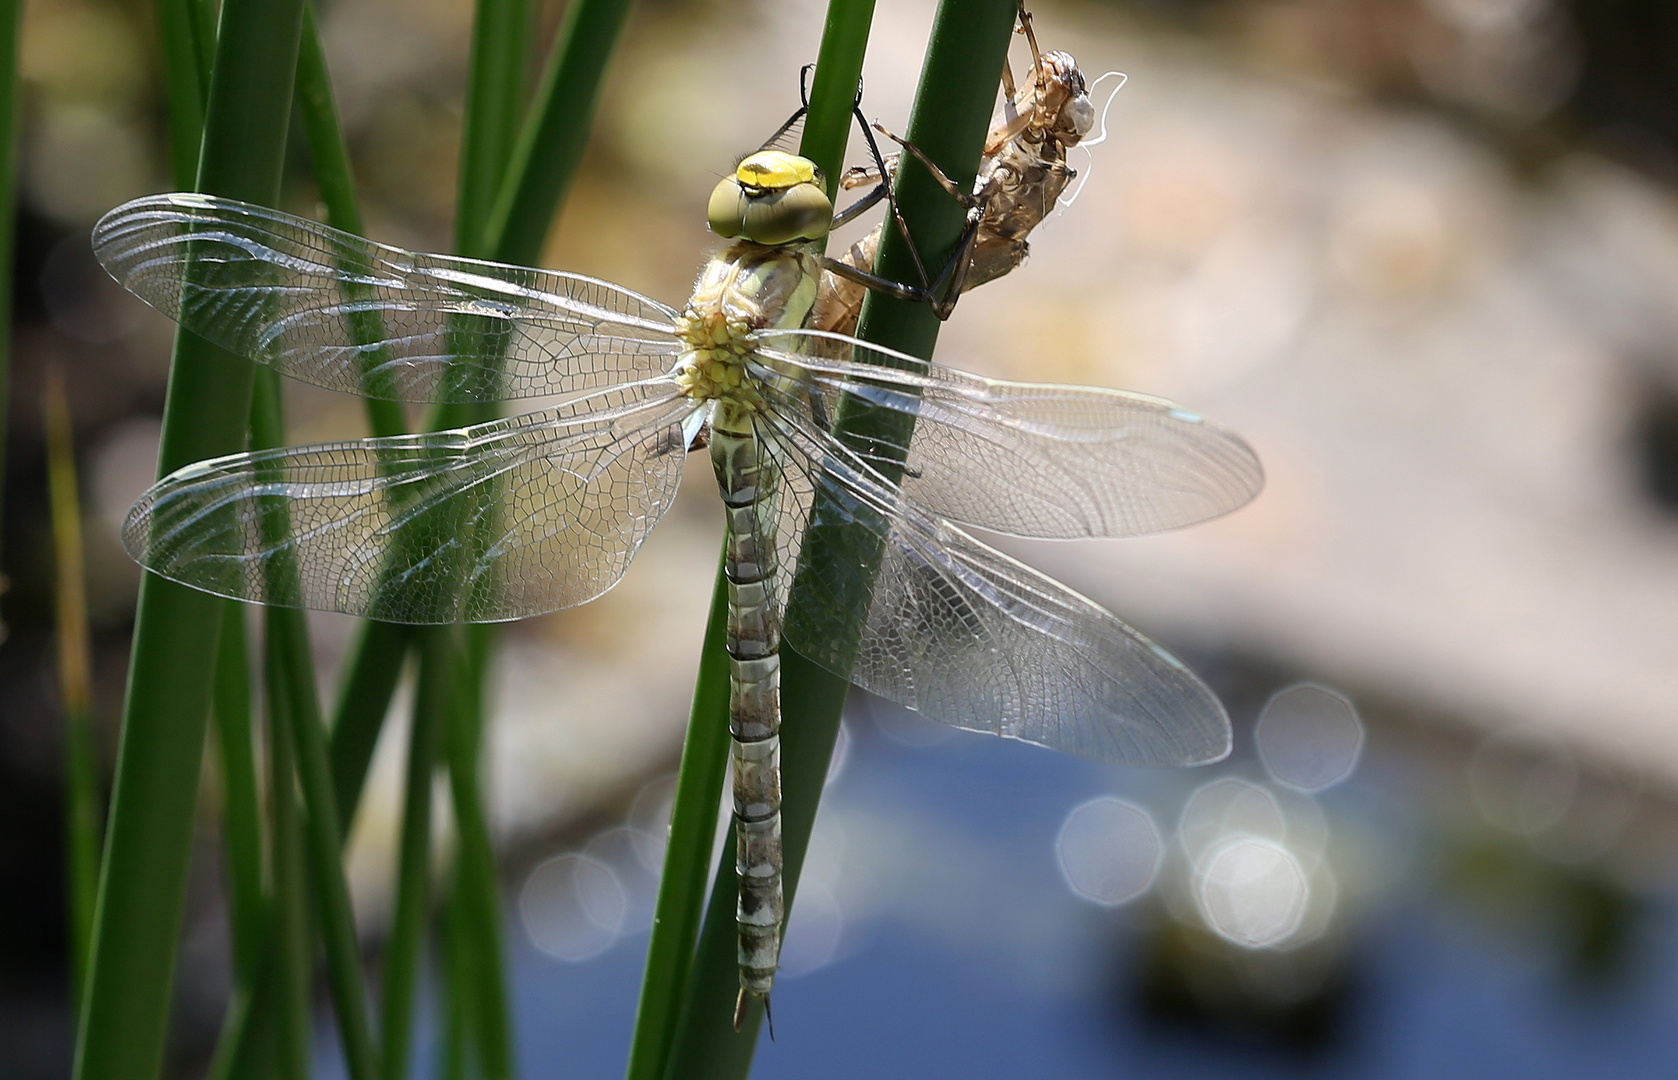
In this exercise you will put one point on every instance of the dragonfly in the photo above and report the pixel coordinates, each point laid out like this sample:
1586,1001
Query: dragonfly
530,514
1021,177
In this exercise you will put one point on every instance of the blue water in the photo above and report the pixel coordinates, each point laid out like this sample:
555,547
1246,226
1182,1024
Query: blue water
973,960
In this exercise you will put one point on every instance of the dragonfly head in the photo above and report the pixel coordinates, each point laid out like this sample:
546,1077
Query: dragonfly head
773,198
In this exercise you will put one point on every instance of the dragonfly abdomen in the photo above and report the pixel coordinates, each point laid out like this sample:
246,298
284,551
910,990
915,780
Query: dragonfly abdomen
749,485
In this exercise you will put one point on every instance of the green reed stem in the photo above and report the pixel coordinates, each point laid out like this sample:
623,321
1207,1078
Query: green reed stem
489,1012
827,126
177,630
376,658
550,144
687,858
289,966
372,671
455,1034
75,680
404,950
501,55
500,58
245,1048
686,1043
291,662
187,57
241,815
336,180
541,177
538,180
950,117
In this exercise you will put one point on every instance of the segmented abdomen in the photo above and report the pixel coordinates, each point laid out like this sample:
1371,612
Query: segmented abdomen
749,484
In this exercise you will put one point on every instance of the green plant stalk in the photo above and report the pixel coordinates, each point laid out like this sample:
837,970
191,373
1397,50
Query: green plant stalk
550,144
501,36
143,877
477,891
495,84
373,669
241,803
289,966
827,126
687,858
952,110
245,1048
536,182
75,679
321,833
540,178
704,767
452,1053
336,181
376,658
186,84
575,72
404,950
203,13
290,662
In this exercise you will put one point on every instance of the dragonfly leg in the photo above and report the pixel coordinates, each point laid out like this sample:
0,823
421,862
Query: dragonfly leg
803,108
1031,39
894,289
941,294
883,189
967,200
851,212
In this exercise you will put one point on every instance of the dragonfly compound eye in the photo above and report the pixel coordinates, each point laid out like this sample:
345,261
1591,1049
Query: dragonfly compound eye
772,198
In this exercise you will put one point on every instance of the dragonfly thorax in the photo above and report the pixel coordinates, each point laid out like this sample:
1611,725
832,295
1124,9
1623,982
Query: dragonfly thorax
713,364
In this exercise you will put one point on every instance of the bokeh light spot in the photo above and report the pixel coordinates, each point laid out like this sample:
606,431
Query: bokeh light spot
1309,737
1252,891
1109,850
573,907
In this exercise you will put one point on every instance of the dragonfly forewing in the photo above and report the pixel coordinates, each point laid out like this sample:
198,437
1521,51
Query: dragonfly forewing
499,521
968,636
339,311
1026,459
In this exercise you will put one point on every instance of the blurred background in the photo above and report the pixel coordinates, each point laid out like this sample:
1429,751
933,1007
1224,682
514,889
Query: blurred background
1423,254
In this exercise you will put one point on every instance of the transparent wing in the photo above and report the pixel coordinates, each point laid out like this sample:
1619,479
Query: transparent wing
964,634
339,311
498,521
1026,459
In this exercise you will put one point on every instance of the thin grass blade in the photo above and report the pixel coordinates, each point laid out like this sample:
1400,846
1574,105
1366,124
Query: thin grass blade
687,858
143,876
406,946
187,57
501,54
290,964
550,144
241,811
290,662
82,799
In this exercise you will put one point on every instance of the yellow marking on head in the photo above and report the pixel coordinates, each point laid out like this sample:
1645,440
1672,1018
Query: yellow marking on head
775,170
